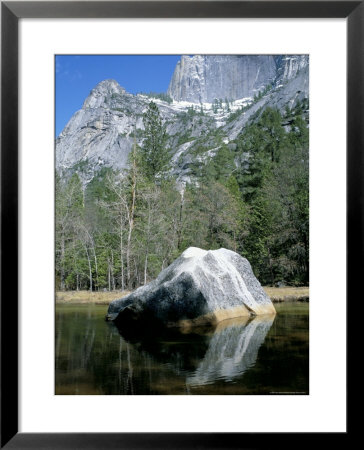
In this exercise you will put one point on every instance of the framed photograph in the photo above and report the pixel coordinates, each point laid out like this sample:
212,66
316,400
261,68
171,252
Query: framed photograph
184,170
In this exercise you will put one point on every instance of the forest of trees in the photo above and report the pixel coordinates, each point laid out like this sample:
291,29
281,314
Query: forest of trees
122,228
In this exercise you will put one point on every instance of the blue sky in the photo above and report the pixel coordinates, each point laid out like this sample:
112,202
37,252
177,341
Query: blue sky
76,75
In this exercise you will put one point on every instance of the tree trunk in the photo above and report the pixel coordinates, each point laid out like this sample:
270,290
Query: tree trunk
90,269
128,258
108,274
137,274
131,212
112,271
122,256
148,240
145,268
63,285
96,270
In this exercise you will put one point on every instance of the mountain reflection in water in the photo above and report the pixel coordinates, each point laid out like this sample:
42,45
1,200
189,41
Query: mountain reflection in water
238,356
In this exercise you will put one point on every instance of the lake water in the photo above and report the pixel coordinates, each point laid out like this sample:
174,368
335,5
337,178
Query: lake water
266,355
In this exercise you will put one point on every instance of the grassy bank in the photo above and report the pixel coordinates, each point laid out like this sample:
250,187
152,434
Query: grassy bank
288,294
284,294
98,298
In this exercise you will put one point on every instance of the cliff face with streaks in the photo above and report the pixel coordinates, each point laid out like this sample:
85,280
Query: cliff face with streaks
204,78
201,79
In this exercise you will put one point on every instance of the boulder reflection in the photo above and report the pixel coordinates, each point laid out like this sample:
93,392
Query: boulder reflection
205,355
232,350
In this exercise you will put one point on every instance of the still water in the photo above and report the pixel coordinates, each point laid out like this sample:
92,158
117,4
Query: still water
266,355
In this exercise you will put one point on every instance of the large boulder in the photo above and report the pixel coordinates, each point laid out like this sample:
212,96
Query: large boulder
200,287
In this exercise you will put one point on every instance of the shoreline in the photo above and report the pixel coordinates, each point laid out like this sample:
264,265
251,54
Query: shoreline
277,295
288,294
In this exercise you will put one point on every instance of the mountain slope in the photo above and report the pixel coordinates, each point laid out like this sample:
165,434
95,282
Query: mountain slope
102,132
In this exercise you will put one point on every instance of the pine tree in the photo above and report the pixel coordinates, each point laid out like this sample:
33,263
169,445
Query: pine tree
155,156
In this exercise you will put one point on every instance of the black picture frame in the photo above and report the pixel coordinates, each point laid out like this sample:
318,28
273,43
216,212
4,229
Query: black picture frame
11,12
